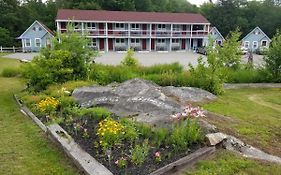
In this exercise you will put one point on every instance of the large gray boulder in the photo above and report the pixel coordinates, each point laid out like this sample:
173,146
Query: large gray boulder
138,98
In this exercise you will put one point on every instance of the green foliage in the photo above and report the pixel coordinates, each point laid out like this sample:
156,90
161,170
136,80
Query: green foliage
139,153
160,69
185,134
131,133
129,59
145,130
5,37
64,61
11,72
273,58
230,53
97,113
160,135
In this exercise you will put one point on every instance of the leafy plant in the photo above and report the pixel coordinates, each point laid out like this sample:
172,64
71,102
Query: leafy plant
109,133
145,130
129,59
48,105
184,134
11,72
122,162
130,131
160,135
139,153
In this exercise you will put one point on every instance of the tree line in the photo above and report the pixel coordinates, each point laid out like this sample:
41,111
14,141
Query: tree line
226,15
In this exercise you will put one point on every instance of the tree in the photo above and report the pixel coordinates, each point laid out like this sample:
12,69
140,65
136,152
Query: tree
273,58
5,37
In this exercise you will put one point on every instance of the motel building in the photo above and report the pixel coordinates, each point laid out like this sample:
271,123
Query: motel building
141,31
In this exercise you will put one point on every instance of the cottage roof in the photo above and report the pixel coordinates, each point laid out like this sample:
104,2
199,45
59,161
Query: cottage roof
41,24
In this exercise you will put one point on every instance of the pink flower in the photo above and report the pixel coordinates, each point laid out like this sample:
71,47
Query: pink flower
157,154
116,162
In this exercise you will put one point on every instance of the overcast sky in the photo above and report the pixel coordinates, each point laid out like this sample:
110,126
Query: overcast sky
198,2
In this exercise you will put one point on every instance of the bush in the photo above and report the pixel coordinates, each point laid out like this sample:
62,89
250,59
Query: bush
97,113
159,137
139,153
11,72
131,133
64,61
160,69
129,59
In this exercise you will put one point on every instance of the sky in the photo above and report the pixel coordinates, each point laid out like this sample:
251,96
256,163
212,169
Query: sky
198,2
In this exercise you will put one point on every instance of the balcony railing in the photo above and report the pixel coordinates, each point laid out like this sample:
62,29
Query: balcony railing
141,33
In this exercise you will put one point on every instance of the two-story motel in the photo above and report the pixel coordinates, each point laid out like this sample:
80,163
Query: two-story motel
142,31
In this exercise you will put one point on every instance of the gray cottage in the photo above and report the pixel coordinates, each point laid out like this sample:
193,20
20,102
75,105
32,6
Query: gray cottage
255,40
216,36
35,37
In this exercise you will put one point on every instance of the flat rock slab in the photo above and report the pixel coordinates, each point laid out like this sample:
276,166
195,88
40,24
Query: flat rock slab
142,99
216,138
83,160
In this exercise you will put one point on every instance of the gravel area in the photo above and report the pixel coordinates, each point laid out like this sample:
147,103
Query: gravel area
146,59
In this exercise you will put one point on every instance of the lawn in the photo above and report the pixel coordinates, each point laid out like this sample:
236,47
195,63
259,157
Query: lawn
251,114
227,163
24,149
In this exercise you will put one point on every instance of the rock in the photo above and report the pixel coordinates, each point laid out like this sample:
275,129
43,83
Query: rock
142,99
215,138
188,94
238,146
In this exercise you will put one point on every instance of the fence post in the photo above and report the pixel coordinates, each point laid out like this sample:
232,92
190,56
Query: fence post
14,49
1,49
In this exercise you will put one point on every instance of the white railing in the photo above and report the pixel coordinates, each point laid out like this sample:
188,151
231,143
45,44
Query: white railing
10,49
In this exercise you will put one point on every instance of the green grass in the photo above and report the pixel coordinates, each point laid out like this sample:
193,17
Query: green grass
227,163
253,115
24,149
8,63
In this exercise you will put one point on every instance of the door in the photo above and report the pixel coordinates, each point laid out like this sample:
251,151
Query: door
152,44
143,44
110,44
101,28
183,44
101,44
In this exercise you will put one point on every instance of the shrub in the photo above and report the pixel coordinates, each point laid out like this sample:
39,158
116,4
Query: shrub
64,61
129,59
161,68
97,113
48,105
273,58
139,153
185,134
145,130
11,72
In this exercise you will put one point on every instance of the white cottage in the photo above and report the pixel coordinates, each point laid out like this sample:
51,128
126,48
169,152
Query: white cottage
35,37
255,40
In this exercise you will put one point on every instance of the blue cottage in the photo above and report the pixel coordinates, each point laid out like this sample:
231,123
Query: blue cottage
216,36
256,40
35,37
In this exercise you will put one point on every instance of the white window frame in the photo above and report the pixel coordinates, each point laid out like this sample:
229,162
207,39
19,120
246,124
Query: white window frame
257,45
135,41
175,41
161,27
176,27
93,42
161,41
92,26
119,26
135,27
120,41
37,43
265,44
246,44
25,42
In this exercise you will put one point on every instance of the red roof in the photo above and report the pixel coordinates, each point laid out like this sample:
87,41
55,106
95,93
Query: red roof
101,15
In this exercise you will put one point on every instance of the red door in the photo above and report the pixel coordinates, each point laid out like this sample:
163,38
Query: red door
143,44
144,28
101,44
152,44
183,44
110,44
110,28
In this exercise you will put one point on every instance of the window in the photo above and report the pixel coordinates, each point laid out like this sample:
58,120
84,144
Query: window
175,40
91,25
27,42
119,40
34,28
93,42
255,44
135,26
264,43
119,26
161,27
135,41
246,44
176,27
37,42
161,41
76,25
39,28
